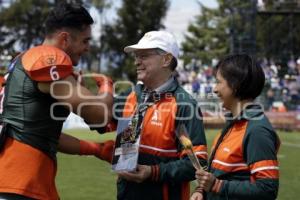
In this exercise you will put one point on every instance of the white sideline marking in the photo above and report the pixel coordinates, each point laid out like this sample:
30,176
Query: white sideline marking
291,144
280,156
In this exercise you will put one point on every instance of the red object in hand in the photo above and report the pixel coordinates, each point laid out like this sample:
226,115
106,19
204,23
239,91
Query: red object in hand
104,83
112,126
104,150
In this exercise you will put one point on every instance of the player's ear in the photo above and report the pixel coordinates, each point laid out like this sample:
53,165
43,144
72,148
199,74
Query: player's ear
63,39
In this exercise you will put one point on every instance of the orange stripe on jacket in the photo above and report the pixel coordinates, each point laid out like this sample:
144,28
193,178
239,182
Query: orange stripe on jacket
199,150
265,169
229,167
171,153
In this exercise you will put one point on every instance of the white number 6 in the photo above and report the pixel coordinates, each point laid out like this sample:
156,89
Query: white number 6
53,73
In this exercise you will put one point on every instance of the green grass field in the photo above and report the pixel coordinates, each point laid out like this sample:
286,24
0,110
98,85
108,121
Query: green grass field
81,177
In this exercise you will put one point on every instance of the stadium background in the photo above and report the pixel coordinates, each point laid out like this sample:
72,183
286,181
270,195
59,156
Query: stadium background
266,29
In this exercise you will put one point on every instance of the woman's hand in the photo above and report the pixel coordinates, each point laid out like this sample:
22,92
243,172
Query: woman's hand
205,180
197,196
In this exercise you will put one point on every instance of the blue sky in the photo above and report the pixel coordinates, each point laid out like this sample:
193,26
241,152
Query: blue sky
183,12
179,15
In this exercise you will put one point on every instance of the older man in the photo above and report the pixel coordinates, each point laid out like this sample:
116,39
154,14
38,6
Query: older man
163,170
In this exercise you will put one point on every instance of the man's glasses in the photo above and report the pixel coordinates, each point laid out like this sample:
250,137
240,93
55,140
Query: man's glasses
146,55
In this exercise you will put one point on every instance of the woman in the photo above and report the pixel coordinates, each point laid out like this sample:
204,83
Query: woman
243,162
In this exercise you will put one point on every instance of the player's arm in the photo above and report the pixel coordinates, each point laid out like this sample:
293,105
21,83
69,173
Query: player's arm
94,109
72,145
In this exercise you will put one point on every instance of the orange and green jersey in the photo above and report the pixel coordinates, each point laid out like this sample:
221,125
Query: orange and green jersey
159,146
245,158
28,159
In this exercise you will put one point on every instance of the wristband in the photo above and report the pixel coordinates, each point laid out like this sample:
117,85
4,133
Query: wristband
216,186
154,173
104,83
88,148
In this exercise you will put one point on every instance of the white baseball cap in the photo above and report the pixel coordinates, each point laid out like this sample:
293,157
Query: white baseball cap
156,39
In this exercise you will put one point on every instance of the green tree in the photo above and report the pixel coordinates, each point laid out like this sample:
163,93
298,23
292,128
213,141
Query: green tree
207,37
219,31
237,26
278,36
94,57
135,18
22,23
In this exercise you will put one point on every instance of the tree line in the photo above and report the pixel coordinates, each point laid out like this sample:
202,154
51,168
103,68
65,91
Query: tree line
234,26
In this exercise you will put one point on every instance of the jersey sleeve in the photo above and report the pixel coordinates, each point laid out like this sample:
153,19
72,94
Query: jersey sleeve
46,63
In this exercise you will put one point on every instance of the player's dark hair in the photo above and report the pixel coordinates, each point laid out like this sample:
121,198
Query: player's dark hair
243,75
67,15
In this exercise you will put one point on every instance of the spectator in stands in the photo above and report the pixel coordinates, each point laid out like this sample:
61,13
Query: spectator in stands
208,89
195,86
294,89
270,99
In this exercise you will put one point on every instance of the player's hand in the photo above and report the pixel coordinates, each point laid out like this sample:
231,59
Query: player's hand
142,173
105,150
104,83
205,179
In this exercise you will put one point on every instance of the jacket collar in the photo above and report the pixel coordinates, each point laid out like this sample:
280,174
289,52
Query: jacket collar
166,88
251,111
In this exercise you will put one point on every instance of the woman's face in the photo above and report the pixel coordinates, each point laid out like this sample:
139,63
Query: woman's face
224,92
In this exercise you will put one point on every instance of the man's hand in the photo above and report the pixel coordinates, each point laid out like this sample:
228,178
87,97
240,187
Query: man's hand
197,196
142,173
205,179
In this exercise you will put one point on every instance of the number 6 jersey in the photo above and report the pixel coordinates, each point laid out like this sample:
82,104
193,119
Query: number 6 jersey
29,113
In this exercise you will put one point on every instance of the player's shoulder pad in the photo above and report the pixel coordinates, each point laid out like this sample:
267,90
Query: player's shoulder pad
47,63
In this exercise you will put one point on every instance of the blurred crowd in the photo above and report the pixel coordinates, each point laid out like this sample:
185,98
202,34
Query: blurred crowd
197,81
282,85
281,91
